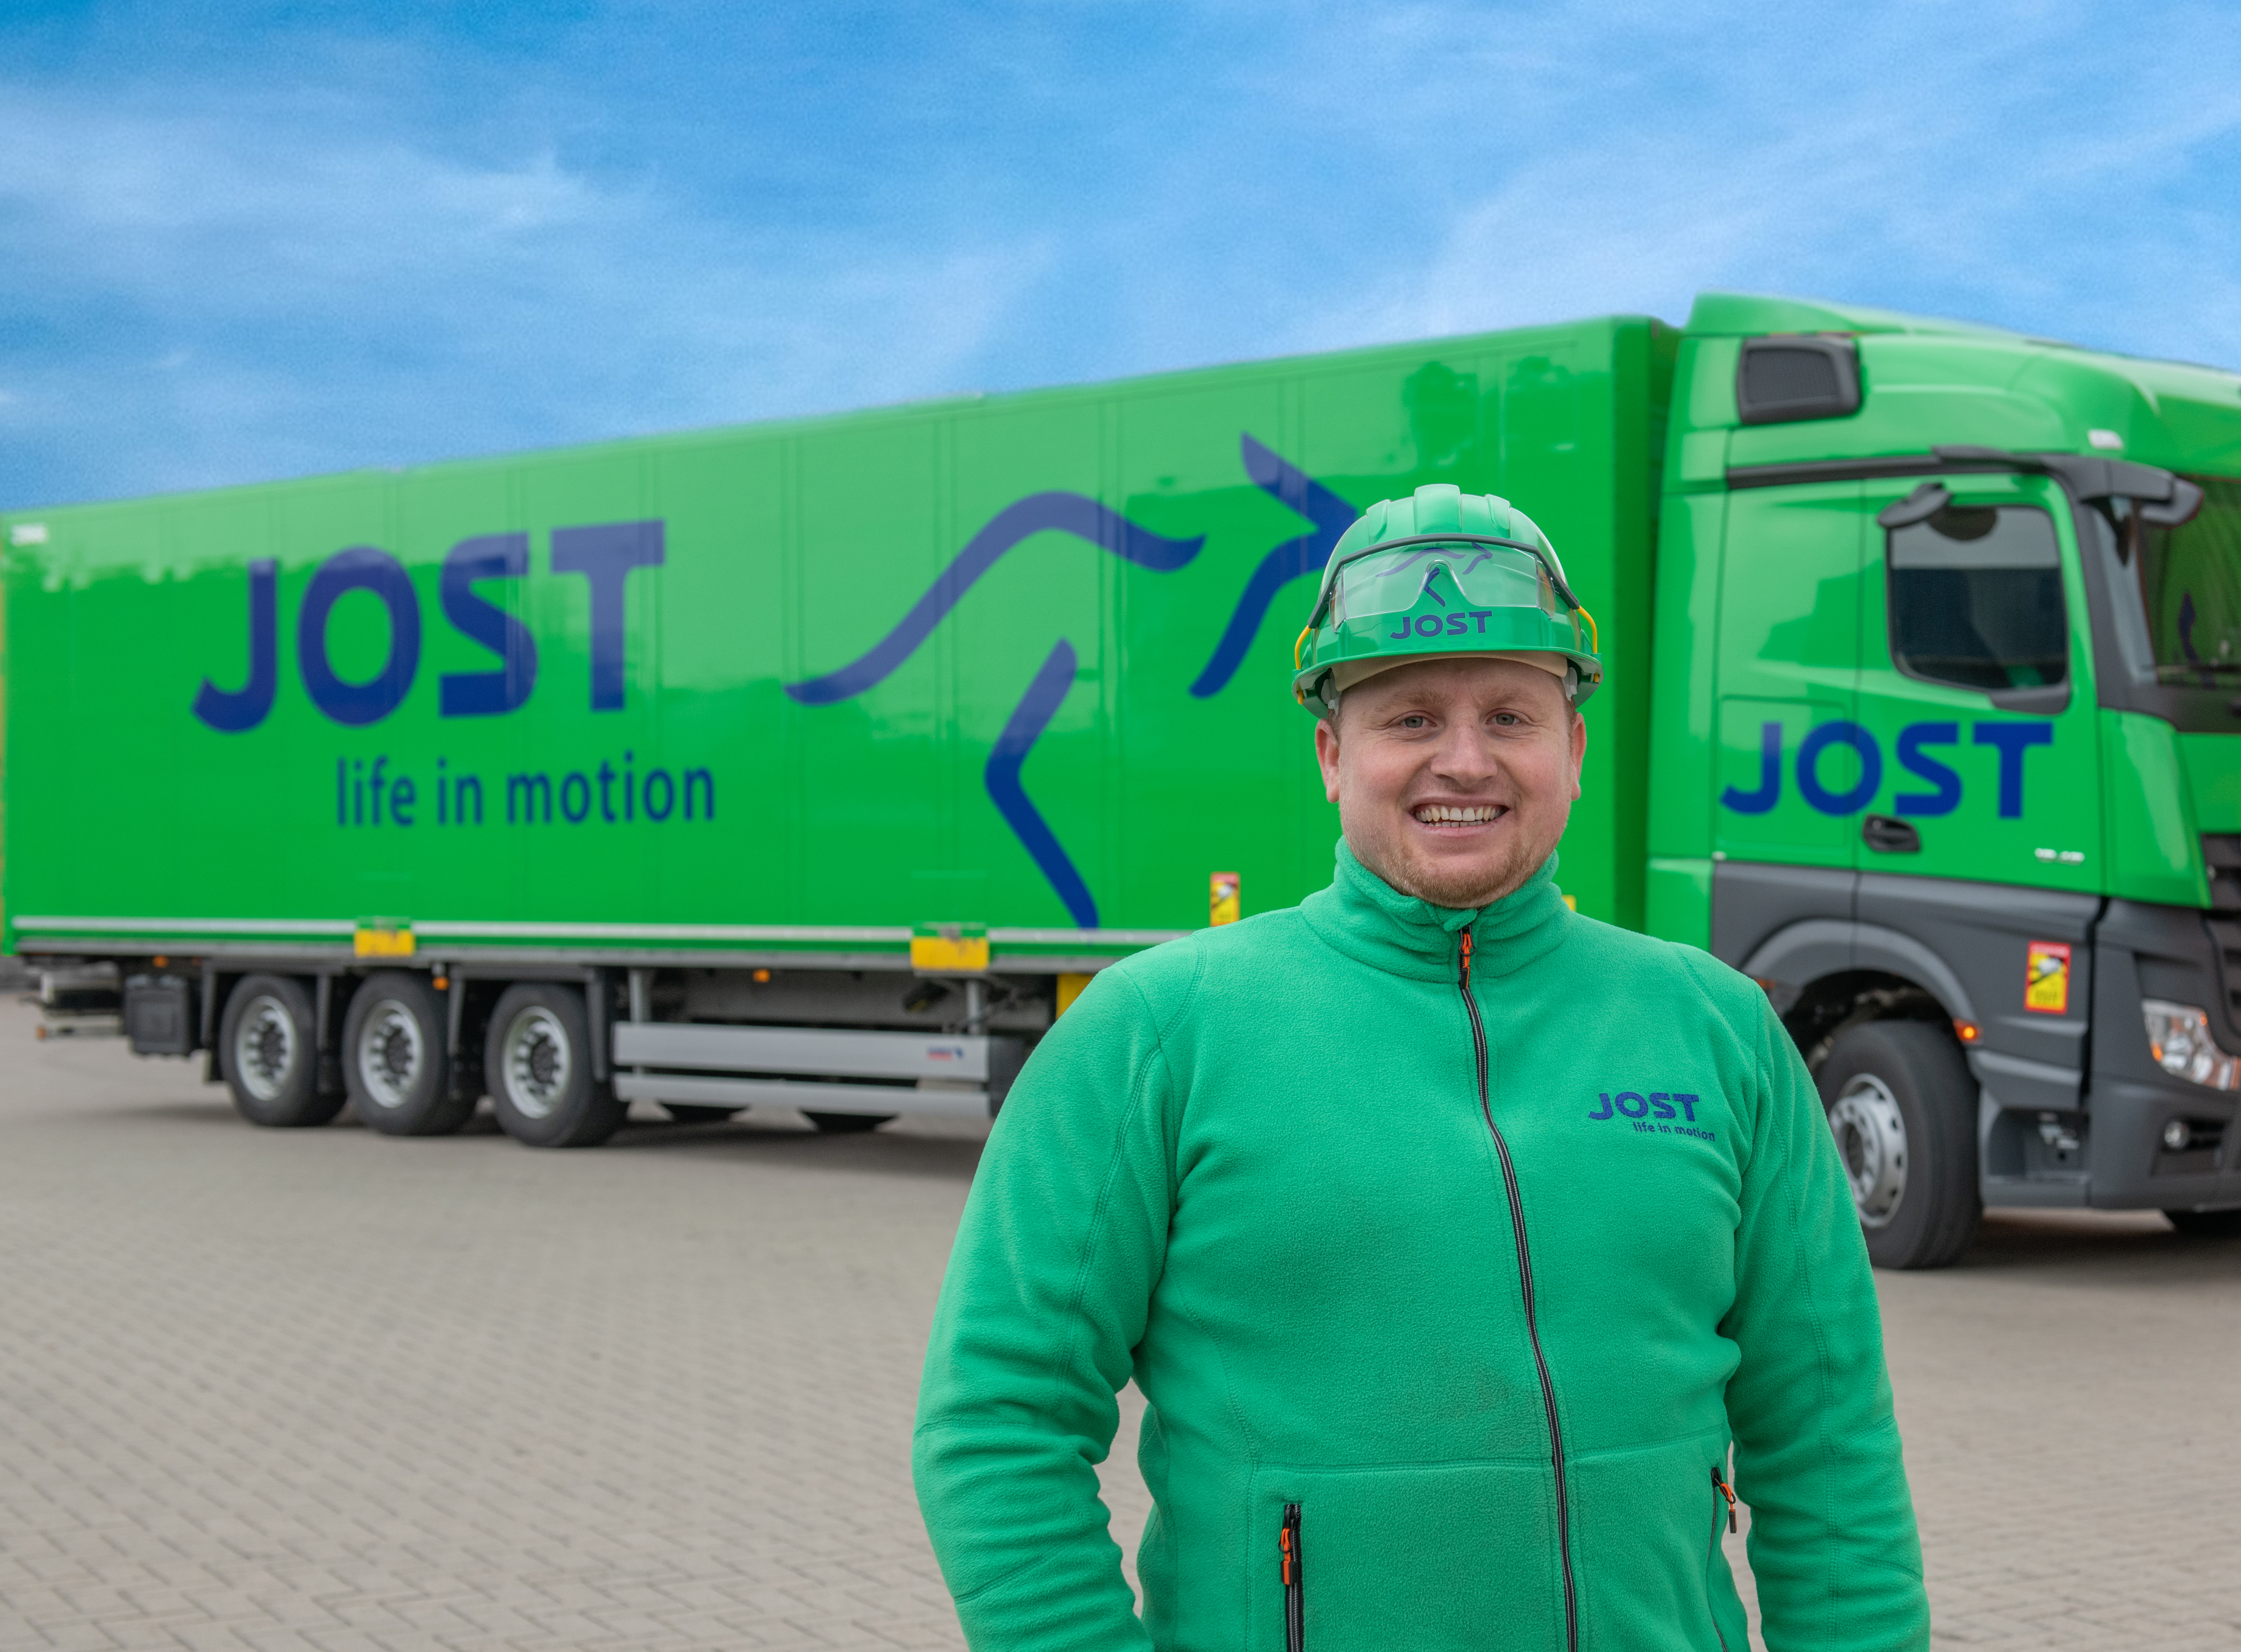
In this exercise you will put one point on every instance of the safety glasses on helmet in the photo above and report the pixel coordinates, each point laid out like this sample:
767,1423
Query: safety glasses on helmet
1390,577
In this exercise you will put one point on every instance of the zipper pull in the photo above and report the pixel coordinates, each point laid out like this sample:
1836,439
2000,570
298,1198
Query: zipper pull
1284,1543
1467,952
1721,1486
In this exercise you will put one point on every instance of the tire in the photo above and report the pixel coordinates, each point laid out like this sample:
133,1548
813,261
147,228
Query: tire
2205,1224
536,1060
394,1062
1903,1106
268,1053
847,1124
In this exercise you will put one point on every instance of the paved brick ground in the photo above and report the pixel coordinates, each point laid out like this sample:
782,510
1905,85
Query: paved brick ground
325,1390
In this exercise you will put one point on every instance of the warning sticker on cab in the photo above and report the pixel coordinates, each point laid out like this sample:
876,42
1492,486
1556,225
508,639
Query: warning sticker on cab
2046,978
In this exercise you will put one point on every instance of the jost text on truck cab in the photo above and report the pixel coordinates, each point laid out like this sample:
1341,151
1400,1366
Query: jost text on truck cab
815,763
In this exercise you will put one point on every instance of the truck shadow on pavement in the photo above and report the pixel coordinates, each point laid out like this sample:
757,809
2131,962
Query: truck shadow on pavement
914,1148
2133,1247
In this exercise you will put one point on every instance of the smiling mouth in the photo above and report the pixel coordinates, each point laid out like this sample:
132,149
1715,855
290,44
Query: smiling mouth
1454,814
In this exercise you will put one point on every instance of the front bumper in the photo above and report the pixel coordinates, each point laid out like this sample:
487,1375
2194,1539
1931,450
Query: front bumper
2189,957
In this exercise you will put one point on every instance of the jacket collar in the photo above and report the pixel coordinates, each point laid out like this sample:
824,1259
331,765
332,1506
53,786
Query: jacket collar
1367,919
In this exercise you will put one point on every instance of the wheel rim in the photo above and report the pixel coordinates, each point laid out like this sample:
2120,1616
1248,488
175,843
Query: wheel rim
391,1054
264,1048
1870,1135
537,1061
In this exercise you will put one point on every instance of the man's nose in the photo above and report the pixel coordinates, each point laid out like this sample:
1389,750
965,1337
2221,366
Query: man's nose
1466,756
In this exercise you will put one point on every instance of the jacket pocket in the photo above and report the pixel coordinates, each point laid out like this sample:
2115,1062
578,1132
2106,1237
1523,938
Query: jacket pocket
1652,1570
1294,1579
1435,1557
1723,1510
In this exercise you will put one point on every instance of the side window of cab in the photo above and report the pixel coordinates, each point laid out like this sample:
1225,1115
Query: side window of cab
1974,599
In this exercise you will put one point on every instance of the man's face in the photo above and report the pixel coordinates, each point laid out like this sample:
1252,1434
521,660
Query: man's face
1453,778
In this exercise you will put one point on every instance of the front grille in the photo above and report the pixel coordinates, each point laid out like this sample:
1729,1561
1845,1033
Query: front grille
2221,858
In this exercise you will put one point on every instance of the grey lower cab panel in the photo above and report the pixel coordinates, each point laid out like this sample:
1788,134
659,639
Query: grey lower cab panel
969,1058
1752,901
1965,943
701,1090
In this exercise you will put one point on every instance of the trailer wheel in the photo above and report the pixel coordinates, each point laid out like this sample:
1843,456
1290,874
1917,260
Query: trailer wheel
847,1124
394,1062
268,1054
2205,1224
537,1059
1902,1106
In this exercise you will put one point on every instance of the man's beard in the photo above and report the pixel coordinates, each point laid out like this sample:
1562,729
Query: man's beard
1458,886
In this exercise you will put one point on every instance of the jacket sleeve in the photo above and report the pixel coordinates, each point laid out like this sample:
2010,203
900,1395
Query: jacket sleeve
1832,1541
1063,1237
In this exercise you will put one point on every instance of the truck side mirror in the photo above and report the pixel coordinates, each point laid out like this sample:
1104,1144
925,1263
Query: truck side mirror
1920,506
2175,511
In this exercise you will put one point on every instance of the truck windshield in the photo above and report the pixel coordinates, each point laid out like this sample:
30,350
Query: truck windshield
2191,587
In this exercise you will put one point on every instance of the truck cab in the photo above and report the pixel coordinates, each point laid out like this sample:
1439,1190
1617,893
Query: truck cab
1947,750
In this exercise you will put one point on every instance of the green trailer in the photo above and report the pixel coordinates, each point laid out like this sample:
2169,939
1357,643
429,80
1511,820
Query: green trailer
815,763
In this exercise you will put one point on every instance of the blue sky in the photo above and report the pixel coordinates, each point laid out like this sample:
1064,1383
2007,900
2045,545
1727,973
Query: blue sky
245,241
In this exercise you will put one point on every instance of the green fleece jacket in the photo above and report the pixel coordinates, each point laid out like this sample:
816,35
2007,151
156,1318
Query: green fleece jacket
1447,1302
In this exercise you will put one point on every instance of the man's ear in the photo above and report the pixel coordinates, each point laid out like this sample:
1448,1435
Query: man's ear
1327,754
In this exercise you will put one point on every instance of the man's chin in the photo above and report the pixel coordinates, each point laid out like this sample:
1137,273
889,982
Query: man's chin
1476,882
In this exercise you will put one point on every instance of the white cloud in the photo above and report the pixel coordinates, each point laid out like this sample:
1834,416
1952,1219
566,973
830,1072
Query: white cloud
2026,168
447,306
330,255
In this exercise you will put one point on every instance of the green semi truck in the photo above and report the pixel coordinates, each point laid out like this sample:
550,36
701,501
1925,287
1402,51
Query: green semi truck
816,764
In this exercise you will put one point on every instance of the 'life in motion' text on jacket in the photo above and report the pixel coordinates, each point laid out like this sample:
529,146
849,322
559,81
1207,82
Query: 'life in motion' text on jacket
1451,1251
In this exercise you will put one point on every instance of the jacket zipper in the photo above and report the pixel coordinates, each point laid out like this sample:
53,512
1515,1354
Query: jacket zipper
1296,1595
1712,1549
1532,1326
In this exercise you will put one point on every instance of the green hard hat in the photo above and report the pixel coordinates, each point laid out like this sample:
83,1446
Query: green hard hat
1444,572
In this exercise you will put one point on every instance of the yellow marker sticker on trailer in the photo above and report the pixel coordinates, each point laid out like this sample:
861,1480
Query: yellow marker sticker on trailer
1223,904
2046,978
382,938
1069,988
950,949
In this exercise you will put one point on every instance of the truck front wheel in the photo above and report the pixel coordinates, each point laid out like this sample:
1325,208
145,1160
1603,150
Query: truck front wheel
268,1053
536,1060
394,1062
1902,1106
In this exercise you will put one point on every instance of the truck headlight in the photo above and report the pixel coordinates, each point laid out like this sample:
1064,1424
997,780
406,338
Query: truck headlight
2178,1037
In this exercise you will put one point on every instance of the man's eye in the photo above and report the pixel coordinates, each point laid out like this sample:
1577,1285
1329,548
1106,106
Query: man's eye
1506,718
1415,720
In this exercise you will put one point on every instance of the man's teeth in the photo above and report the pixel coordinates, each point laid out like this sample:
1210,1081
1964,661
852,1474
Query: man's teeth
1450,814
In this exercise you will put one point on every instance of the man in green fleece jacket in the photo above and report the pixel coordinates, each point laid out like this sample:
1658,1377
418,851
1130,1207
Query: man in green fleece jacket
1453,1239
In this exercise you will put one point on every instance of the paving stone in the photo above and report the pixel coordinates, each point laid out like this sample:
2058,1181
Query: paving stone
321,1391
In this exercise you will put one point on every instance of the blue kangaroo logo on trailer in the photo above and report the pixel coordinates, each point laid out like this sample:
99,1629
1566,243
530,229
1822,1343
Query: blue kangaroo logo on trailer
1087,518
